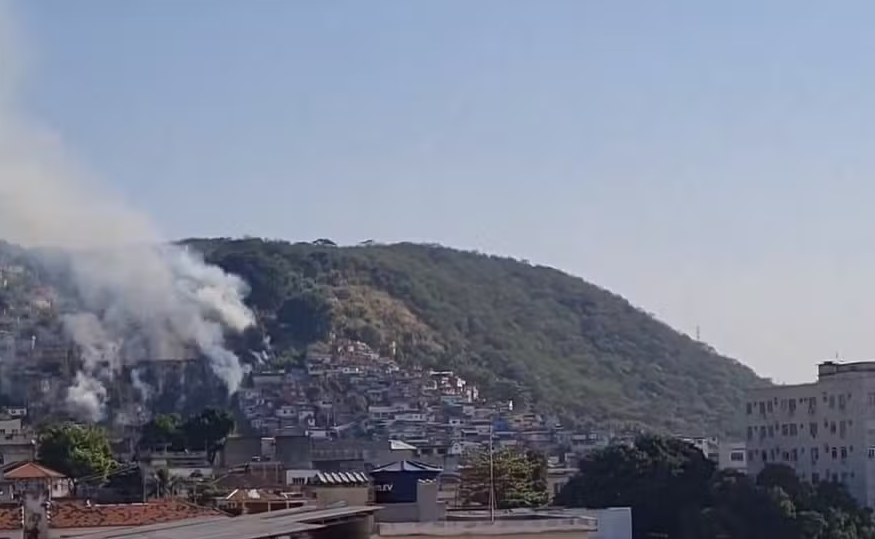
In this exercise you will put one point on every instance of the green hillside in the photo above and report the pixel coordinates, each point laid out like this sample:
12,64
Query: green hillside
526,332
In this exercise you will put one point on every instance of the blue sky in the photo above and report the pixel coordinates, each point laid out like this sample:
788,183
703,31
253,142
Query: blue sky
710,161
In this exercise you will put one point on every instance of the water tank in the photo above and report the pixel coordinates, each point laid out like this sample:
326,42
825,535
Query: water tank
397,482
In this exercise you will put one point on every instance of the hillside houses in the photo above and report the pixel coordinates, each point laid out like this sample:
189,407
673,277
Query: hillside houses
350,391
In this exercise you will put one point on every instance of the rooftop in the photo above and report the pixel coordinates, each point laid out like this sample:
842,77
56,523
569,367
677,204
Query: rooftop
79,514
30,470
407,466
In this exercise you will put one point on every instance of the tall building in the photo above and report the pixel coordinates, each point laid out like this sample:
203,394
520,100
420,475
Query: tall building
825,430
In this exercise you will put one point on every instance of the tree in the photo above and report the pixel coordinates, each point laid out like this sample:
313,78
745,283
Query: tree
76,450
664,480
674,492
519,479
163,432
306,316
207,431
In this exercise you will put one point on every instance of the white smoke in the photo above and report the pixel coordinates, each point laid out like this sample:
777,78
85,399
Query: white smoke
141,298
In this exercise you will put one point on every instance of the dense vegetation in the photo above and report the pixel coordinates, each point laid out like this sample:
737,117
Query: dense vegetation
674,491
530,333
513,478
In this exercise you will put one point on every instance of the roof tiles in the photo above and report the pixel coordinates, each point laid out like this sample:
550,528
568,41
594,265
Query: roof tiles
78,514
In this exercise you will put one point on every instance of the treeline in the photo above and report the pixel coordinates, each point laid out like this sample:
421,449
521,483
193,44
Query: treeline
677,493
84,451
205,431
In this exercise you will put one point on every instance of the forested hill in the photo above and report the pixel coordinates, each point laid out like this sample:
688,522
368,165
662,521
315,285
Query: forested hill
526,332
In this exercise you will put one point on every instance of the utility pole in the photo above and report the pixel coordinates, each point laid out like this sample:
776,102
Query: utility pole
491,475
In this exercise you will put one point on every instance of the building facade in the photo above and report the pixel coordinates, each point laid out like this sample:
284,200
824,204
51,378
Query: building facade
825,430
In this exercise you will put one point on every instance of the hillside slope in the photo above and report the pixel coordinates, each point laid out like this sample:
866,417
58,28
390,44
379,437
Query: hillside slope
520,331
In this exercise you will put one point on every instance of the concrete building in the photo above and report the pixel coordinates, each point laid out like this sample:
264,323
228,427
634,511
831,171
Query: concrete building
733,456
825,430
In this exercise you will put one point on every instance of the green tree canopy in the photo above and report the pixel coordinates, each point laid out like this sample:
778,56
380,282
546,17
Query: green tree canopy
205,431
675,492
519,479
75,450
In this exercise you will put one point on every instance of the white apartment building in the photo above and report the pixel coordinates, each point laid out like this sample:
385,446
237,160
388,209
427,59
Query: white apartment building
825,430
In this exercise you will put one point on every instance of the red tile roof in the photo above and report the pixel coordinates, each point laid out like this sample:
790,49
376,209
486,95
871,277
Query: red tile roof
31,470
76,514
10,516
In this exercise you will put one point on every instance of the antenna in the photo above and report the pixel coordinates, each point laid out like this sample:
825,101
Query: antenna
698,334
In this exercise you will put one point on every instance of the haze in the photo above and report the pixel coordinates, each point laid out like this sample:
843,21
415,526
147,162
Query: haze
712,163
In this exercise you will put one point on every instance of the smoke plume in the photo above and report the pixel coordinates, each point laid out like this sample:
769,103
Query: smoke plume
140,297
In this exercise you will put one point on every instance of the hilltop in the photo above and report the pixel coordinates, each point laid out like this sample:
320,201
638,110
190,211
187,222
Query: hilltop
524,332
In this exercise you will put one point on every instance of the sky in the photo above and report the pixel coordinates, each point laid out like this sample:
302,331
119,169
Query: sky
711,162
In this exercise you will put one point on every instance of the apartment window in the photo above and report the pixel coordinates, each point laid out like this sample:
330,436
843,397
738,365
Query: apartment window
765,456
832,401
872,452
749,408
769,407
832,427
750,433
842,428
792,405
785,430
763,408
844,453
842,402
794,455
815,454
825,397
793,431
812,429
771,431
736,456
785,456
834,453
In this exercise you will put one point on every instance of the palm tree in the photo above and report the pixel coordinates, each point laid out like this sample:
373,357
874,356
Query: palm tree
163,483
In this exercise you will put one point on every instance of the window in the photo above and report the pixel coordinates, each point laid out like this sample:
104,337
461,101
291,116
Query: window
842,428
785,430
835,453
793,431
832,401
844,453
815,454
812,429
749,408
736,456
832,427
794,455
750,433
769,406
